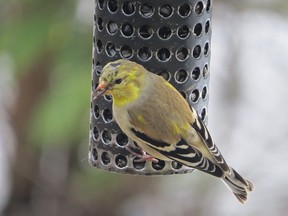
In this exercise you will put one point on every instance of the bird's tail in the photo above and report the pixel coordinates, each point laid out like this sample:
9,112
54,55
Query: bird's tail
239,186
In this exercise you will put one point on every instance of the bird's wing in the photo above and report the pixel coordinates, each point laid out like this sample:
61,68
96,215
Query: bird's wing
206,138
179,151
167,124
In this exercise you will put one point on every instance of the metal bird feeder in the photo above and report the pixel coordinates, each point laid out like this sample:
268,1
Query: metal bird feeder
170,38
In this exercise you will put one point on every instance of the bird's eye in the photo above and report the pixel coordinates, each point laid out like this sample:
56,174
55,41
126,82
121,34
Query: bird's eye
118,81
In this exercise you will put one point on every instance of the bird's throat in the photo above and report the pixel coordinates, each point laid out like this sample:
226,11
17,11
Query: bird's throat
125,96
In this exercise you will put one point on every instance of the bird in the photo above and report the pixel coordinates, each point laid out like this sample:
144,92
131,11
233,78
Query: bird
152,112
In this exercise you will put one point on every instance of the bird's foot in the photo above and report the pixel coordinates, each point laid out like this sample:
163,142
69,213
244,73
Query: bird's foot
142,157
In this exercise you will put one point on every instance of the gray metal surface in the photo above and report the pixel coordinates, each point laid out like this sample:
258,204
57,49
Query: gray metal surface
170,38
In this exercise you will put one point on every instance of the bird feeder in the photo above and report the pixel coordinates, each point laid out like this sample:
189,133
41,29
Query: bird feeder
168,37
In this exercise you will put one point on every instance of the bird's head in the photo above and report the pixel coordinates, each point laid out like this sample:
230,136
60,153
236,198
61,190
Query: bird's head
122,79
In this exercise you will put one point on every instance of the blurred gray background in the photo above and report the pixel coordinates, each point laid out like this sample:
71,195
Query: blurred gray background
44,116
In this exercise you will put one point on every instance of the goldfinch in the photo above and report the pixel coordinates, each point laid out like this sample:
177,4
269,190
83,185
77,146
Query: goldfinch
154,114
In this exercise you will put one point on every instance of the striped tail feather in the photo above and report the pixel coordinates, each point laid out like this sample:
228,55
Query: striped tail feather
238,185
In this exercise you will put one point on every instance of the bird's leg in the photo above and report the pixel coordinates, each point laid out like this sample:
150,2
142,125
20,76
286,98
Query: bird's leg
142,157
147,157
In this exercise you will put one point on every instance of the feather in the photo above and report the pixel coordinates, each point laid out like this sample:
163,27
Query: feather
156,116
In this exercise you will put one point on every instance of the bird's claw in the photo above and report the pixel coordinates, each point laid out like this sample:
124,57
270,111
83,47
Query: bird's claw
142,158
147,158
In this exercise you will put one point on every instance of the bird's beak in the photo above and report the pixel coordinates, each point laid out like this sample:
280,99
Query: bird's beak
101,89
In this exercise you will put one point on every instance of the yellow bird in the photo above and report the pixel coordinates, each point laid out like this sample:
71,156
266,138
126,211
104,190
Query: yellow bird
154,114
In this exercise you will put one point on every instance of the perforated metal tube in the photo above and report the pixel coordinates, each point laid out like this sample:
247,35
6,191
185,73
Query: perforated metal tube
168,37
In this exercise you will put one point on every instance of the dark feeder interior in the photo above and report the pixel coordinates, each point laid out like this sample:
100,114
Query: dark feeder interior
170,38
